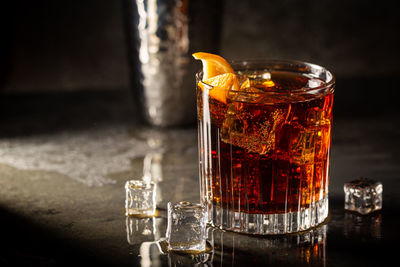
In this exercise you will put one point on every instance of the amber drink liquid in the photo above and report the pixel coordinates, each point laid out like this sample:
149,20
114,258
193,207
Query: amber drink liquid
264,154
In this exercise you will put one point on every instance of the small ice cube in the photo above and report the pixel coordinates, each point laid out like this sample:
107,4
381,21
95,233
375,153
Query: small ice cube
258,79
254,133
302,148
363,195
140,198
313,83
255,75
186,230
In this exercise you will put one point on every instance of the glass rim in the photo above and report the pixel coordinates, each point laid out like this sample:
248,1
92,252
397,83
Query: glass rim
303,67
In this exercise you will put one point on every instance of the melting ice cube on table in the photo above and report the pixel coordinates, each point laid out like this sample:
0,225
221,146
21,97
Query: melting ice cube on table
363,195
186,229
140,198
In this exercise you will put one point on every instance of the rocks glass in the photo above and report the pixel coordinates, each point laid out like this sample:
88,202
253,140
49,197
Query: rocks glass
264,154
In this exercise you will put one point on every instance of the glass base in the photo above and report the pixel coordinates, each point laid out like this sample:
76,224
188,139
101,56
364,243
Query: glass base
269,224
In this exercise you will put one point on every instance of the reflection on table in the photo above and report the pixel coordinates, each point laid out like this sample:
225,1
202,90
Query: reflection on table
228,248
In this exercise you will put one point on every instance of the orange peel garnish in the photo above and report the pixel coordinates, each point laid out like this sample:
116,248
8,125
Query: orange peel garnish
221,84
219,74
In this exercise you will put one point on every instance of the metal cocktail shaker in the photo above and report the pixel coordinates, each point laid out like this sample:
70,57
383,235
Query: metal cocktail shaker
162,35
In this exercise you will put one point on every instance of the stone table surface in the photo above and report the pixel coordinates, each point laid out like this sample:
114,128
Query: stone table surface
64,162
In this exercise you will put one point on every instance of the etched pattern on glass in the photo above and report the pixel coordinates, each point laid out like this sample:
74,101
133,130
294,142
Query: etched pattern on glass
264,155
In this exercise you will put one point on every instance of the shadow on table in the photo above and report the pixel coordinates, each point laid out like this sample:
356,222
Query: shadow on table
24,243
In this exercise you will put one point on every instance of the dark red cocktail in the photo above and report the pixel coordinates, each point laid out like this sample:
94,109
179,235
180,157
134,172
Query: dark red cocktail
264,154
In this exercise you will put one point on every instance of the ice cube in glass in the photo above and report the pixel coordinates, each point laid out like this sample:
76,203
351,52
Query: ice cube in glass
140,198
250,130
186,229
363,195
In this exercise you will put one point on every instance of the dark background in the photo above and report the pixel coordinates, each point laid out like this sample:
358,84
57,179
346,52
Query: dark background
74,46
64,65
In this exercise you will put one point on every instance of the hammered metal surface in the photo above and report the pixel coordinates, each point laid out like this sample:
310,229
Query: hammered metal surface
165,34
